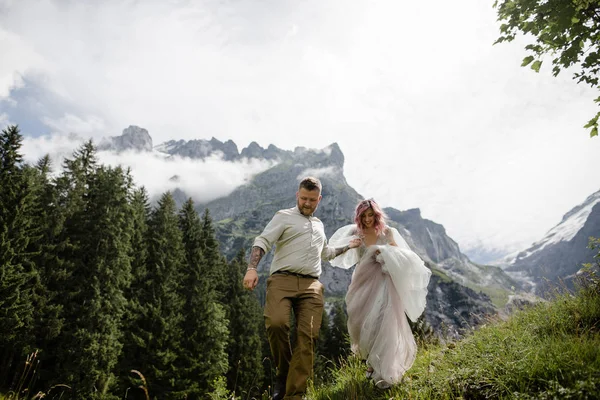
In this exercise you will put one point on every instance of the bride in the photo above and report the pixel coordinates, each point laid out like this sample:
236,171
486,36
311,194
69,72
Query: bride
389,283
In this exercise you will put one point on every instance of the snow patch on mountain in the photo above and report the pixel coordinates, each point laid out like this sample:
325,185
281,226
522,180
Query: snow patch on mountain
566,230
166,147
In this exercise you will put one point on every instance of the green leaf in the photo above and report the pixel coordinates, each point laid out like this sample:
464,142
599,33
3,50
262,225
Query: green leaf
536,65
574,20
526,61
592,122
594,132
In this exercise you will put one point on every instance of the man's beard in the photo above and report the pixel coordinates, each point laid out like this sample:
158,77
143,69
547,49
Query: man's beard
306,210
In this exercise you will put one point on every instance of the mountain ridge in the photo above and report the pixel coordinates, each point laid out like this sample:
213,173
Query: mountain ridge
461,292
559,255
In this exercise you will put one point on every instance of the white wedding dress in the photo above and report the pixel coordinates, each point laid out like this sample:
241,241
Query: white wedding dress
385,288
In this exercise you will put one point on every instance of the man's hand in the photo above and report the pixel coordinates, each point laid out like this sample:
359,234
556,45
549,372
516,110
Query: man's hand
251,279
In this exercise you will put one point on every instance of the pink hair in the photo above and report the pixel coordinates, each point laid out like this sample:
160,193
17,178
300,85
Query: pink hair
380,216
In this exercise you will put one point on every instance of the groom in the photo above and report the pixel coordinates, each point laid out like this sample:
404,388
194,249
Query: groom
293,284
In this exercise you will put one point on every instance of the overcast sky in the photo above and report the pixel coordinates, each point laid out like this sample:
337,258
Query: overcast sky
427,111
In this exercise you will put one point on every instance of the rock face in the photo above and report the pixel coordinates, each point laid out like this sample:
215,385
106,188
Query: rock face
201,149
453,309
429,238
133,138
430,241
559,255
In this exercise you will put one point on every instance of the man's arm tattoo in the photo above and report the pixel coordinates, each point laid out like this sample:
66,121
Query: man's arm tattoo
341,250
255,256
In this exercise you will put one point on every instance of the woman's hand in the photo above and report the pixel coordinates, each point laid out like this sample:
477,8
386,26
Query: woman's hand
354,243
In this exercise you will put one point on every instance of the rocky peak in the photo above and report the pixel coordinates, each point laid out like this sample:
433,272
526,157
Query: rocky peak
229,148
200,149
252,151
429,237
133,138
320,158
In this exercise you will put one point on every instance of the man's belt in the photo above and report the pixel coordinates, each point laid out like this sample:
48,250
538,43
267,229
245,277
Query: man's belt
295,274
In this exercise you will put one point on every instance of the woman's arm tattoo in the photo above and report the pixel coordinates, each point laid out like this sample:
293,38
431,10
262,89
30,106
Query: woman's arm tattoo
255,256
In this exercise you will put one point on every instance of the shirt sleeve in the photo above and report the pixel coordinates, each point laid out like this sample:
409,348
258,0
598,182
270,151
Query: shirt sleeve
328,252
271,234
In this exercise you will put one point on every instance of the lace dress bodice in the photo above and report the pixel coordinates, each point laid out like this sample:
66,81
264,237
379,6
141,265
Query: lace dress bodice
383,239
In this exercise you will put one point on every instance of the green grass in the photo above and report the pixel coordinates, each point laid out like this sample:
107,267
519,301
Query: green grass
441,274
498,295
550,350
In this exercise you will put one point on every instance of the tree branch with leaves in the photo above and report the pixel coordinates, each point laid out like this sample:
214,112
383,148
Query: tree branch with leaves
566,30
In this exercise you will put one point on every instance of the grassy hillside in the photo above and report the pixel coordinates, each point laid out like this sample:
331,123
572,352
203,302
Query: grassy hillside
549,350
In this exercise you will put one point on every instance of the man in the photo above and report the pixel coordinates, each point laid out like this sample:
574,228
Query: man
293,284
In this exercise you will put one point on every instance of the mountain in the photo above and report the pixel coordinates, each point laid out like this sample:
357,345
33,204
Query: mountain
133,138
559,255
482,254
461,292
201,149
138,139
430,241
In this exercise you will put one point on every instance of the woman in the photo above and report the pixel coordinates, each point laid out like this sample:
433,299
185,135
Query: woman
389,281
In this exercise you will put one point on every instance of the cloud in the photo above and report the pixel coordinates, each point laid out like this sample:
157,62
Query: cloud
318,172
204,180
18,59
4,121
426,111
89,126
57,147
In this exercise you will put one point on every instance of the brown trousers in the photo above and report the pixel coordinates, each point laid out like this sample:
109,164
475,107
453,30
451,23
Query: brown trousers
305,297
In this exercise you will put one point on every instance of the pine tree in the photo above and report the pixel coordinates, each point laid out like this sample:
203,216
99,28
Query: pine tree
245,318
60,205
158,332
48,323
133,345
205,327
63,263
92,338
140,210
215,261
17,274
48,320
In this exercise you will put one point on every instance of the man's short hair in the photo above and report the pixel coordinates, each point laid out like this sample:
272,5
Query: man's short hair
310,183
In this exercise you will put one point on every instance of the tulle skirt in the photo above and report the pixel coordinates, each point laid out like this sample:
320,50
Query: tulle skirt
377,322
